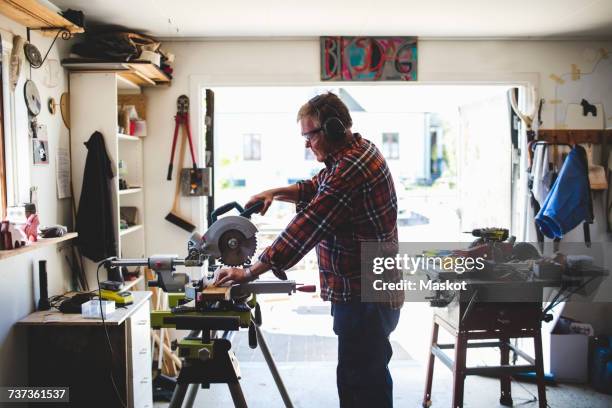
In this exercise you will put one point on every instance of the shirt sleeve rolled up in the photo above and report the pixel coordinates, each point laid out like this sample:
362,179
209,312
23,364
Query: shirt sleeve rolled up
328,208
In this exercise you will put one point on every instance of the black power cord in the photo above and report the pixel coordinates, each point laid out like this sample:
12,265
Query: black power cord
110,346
557,300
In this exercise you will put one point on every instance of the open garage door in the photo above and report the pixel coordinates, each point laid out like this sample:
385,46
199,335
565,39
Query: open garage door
484,163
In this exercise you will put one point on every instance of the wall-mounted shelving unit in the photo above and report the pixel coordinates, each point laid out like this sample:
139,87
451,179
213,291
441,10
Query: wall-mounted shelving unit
130,191
573,136
129,230
36,16
132,75
130,284
121,136
95,101
42,242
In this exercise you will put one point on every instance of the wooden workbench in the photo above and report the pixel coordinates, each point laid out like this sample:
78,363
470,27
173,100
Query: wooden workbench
56,318
69,350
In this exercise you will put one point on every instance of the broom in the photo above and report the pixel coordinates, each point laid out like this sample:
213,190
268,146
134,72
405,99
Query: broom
174,216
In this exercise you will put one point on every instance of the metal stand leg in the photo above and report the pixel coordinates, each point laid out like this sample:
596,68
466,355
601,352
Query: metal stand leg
539,363
191,396
505,397
178,396
459,369
277,378
430,367
237,395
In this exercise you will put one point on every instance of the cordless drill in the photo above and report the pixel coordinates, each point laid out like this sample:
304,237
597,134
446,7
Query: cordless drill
490,234
492,243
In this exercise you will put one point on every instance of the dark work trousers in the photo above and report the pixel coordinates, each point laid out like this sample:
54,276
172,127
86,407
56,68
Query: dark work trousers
364,352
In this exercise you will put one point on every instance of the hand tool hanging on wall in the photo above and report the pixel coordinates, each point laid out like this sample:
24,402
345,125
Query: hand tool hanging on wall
195,182
174,216
181,119
526,118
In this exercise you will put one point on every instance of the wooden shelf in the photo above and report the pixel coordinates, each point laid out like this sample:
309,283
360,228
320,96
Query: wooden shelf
573,136
124,83
130,138
148,70
42,242
130,284
138,73
130,191
136,78
55,317
129,230
35,15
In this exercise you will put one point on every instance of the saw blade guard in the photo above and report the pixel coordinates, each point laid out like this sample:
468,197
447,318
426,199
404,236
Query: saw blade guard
229,236
232,238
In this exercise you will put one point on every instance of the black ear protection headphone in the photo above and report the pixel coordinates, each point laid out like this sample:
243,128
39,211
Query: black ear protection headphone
332,126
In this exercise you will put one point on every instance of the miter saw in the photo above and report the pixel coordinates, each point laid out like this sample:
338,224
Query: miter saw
230,240
213,314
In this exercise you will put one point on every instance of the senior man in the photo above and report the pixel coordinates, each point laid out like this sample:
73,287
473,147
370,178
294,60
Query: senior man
350,201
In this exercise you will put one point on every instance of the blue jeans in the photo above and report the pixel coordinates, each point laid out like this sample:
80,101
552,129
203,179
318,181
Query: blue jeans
364,352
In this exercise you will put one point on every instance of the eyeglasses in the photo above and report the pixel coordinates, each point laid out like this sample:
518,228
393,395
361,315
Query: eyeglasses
308,135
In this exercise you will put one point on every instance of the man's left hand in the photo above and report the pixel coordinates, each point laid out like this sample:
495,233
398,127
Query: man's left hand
231,275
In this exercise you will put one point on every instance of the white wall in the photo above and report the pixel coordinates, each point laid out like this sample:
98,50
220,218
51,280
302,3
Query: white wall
19,275
214,63
296,62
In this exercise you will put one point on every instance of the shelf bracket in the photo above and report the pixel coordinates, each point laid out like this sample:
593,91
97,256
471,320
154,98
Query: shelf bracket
62,32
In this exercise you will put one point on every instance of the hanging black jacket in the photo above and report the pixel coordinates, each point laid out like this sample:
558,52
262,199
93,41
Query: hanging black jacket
94,221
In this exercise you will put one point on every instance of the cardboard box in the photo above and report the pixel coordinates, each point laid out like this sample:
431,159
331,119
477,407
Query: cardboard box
569,357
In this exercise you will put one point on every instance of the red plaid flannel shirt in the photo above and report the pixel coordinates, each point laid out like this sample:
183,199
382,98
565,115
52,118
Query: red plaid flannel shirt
350,201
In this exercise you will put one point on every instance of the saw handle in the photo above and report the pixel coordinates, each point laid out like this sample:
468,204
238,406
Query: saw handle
177,124
230,206
225,208
255,208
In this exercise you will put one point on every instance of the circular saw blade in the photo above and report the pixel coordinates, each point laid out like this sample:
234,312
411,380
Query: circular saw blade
32,97
32,55
235,248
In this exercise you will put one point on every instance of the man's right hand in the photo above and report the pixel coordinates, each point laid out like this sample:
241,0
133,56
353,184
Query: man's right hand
266,196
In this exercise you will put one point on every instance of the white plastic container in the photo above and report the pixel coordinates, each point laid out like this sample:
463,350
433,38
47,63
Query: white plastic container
140,128
151,56
91,309
569,357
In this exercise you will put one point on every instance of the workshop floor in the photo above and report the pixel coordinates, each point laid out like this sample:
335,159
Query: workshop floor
298,331
312,385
